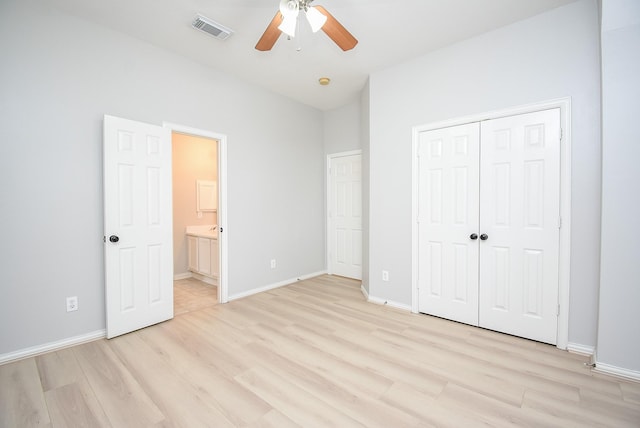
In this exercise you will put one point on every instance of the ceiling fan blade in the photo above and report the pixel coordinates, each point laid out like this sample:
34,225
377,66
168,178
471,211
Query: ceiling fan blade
337,32
271,34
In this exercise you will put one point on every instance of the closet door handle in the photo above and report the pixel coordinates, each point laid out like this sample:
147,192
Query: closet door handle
473,236
114,238
484,237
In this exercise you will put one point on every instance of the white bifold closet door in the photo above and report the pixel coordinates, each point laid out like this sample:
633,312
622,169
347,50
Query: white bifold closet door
489,212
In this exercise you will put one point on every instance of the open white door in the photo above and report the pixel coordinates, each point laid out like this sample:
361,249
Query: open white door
137,225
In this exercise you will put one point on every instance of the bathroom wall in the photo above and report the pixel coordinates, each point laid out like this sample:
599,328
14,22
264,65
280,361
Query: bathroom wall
194,158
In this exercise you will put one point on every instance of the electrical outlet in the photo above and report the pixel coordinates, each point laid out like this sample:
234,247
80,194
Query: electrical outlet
72,303
273,263
385,275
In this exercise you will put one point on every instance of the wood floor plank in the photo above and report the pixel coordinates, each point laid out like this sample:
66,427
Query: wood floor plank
22,402
124,401
58,369
354,377
427,408
74,405
610,405
299,405
495,412
360,406
630,392
181,402
274,419
568,410
239,405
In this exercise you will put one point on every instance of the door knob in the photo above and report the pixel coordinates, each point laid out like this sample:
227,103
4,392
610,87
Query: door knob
114,239
473,236
484,236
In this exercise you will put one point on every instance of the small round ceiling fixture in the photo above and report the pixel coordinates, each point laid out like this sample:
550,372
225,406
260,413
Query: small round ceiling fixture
324,81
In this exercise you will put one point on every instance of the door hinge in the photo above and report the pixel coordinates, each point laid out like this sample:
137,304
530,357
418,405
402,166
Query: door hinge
561,134
559,222
558,311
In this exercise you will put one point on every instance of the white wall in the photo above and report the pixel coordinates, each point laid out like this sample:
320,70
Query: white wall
549,56
619,317
58,76
342,128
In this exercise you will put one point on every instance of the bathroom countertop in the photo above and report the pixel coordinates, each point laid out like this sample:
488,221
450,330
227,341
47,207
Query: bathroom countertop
202,231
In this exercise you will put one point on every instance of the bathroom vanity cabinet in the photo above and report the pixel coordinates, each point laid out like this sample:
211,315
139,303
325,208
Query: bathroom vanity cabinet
203,255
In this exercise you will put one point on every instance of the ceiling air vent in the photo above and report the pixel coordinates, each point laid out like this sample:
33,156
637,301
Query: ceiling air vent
211,27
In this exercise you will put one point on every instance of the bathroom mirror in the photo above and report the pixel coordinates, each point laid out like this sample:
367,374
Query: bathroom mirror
206,196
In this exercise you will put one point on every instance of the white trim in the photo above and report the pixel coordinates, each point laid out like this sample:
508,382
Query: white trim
223,238
205,279
617,371
275,285
564,262
364,292
180,276
576,348
390,303
52,346
329,240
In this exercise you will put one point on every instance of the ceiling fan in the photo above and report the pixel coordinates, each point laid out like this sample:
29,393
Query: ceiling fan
285,21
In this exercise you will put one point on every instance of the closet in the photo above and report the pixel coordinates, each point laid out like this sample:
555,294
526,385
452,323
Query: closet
488,223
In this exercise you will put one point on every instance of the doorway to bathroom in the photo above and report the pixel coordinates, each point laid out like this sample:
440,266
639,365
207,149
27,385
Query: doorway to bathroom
195,222
199,195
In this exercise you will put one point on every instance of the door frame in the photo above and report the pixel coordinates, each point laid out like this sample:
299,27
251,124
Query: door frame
223,278
564,261
329,240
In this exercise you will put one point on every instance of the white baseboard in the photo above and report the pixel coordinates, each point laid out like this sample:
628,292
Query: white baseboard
187,275
364,291
52,346
275,285
180,276
206,279
576,348
391,303
617,371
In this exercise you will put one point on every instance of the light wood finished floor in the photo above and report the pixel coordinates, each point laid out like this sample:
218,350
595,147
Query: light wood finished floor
312,354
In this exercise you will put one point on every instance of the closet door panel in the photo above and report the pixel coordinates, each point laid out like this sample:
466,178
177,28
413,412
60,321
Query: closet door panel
448,215
519,213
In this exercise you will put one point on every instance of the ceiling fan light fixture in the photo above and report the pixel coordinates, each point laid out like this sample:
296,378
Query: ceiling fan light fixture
316,19
289,8
288,25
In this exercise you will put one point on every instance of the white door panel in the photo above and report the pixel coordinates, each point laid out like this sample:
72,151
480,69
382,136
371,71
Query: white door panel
345,215
520,209
448,215
500,180
138,267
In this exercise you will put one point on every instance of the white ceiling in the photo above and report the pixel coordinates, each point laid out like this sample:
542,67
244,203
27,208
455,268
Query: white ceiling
389,31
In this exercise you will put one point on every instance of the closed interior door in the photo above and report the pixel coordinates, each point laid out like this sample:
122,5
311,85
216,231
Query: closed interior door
448,216
138,225
489,218
520,215
345,216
